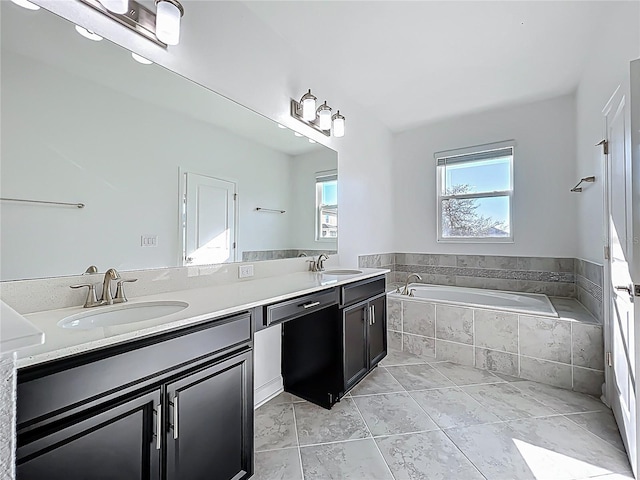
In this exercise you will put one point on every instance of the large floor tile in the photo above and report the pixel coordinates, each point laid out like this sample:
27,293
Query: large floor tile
507,402
393,413
601,424
464,375
451,407
422,456
419,377
278,465
275,427
561,400
357,460
557,443
395,357
378,381
284,397
319,425
492,450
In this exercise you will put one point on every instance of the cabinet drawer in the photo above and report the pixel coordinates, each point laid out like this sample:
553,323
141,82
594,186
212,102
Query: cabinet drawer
359,291
283,311
67,384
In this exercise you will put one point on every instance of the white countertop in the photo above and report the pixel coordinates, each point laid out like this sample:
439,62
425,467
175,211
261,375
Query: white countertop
16,332
204,304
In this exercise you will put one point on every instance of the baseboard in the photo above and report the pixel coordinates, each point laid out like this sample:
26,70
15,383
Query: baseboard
266,392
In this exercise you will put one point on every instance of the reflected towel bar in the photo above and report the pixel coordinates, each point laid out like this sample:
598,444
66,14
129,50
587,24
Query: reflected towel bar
78,205
260,209
578,188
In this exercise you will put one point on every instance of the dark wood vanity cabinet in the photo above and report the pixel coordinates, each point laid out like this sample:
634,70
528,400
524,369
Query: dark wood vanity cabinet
182,410
327,352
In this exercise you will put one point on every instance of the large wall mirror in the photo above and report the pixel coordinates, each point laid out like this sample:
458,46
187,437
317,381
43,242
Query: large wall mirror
169,173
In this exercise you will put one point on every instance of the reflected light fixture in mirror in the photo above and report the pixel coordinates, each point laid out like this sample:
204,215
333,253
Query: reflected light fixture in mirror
140,59
26,4
116,6
88,34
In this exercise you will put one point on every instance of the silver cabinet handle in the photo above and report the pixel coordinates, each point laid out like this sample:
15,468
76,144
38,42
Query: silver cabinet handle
158,413
311,304
373,313
370,316
175,416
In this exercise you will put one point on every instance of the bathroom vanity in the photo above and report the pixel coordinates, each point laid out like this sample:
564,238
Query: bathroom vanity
172,398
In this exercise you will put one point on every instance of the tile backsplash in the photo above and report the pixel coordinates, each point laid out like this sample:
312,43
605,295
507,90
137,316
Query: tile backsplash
558,277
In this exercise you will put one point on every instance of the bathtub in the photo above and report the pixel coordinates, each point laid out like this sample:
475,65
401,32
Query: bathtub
529,303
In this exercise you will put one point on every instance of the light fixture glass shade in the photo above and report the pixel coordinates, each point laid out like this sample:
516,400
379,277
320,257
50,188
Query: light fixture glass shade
116,6
338,125
88,34
168,22
308,102
324,116
26,4
141,59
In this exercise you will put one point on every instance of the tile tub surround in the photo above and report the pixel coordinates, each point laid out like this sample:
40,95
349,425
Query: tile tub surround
476,426
566,352
560,277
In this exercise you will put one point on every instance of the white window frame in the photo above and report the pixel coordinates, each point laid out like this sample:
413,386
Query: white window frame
326,176
451,154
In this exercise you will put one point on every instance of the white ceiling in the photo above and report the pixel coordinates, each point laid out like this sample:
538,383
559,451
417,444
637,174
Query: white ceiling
416,62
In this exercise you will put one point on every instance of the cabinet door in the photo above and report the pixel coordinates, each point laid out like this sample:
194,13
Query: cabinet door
377,330
355,357
210,422
117,442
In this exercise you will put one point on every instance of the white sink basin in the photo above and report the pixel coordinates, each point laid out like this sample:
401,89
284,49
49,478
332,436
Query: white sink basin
108,316
342,272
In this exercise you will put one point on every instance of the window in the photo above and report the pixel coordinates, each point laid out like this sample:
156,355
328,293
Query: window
475,192
327,206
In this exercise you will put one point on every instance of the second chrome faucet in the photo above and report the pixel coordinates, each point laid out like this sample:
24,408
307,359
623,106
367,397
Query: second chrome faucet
107,297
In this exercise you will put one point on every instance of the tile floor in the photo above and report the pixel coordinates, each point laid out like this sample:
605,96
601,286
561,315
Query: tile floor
414,420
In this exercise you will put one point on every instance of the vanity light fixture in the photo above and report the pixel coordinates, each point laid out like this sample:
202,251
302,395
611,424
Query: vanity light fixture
161,27
26,4
320,119
298,134
338,124
281,126
88,34
324,116
311,140
140,59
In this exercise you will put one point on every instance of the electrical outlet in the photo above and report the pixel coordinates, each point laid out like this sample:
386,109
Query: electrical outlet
148,240
245,271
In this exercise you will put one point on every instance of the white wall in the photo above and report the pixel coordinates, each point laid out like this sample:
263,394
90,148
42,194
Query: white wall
226,48
608,68
544,211
303,205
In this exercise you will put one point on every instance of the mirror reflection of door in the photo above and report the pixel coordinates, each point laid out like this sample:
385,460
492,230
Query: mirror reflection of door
621,315
209,220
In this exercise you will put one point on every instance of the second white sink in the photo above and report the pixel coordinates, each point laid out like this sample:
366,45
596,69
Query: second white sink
108,316
342,272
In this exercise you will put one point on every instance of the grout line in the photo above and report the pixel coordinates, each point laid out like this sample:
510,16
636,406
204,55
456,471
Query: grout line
464,454
372,439
275,449
593,433
319,444
295,426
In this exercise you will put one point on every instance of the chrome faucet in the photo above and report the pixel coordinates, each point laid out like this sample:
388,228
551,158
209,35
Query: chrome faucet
107,297
320,262
405,291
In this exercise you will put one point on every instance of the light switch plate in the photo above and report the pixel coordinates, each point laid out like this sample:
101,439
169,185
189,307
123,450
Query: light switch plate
245,271
148,240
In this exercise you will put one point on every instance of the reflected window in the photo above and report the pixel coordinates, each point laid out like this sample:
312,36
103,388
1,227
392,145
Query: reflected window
327,206
475,193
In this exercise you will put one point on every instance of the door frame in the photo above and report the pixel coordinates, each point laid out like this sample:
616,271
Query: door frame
182,192
633,146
